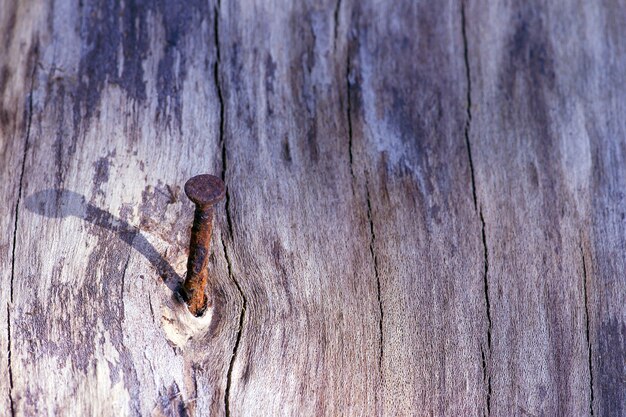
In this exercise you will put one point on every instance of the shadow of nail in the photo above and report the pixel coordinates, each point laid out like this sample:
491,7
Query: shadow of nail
63,203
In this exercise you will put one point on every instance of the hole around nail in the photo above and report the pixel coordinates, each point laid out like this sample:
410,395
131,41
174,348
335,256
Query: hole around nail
180,325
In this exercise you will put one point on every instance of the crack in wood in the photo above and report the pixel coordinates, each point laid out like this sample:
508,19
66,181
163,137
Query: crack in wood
17,209
239,331
124,277
378,290
485,375
349,114
220,97
222,140
9,364
151,309
586,302
466,132
468,107
488,311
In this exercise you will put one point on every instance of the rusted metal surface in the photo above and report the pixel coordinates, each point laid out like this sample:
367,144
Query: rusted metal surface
205,191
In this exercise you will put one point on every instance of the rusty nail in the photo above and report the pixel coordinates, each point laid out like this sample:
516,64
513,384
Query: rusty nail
205,191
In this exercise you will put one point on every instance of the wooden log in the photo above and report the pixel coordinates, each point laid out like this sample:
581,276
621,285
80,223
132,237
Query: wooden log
424,208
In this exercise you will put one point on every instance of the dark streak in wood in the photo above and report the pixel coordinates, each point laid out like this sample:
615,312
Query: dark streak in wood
336,22
108,28
10,27
5,114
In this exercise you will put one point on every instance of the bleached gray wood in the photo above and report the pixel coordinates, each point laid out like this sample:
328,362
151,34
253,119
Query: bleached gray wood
548,146
310,339
407,88
424,211
19,53
93,325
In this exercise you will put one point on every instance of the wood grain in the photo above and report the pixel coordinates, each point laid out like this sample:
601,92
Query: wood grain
424,211
19,51
555,298
300,234
412,167
89,305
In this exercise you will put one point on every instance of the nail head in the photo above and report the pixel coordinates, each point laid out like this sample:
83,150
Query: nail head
205,189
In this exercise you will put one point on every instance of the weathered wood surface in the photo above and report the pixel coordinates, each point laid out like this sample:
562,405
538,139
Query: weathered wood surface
425,207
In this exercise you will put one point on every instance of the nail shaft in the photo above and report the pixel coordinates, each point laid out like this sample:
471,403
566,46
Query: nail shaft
204,191
197,272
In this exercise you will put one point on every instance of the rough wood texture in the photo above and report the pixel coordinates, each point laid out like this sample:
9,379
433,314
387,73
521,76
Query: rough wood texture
425,207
